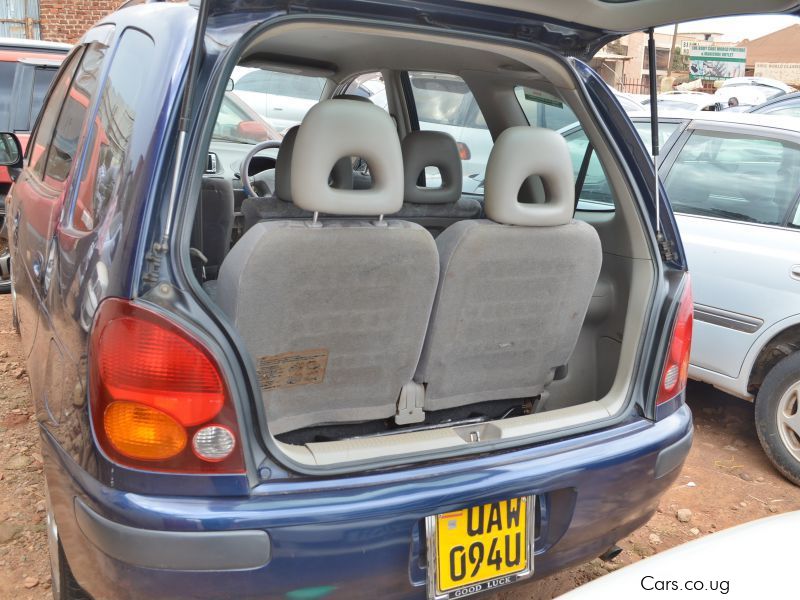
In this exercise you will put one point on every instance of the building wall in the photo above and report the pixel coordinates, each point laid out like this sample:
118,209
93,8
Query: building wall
68,20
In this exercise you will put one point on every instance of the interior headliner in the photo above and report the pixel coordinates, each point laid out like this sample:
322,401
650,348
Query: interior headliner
341,51
625,16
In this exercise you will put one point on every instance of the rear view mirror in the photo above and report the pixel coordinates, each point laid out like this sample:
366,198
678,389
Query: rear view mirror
10,150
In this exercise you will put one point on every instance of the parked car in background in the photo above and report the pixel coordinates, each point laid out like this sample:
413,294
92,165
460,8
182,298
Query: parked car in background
632,103
712,564
785,104
750,91
391,391
733,180
288,98
686,101
26,69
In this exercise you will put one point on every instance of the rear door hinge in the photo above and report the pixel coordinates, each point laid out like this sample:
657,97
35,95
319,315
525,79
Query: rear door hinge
666,247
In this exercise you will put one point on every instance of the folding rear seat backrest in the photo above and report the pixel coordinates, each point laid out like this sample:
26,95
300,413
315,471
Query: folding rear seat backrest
334,312
513,290
434,207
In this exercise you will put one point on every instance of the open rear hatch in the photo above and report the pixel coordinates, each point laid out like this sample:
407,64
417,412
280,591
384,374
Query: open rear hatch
326,439
577,27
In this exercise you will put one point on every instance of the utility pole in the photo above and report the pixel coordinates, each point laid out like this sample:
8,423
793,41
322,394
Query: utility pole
672,49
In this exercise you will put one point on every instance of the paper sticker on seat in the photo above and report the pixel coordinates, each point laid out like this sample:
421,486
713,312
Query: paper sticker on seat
292,368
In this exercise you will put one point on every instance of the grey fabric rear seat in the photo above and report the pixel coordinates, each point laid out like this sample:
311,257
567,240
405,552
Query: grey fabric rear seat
513,290
355,294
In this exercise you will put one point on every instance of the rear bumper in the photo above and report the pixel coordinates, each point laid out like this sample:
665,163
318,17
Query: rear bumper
356,537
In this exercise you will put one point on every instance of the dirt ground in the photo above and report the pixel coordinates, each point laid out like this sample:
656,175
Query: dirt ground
726,480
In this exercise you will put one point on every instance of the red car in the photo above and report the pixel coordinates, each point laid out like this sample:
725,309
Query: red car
27,68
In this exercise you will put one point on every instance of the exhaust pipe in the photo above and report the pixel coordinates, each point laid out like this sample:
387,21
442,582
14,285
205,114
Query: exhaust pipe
611,553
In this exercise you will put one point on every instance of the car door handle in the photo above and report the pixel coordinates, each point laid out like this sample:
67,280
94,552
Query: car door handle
796,272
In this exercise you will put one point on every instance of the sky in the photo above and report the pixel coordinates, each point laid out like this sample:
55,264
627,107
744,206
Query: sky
736,29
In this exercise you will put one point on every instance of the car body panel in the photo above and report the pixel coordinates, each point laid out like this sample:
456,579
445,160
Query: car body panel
745,270
351,534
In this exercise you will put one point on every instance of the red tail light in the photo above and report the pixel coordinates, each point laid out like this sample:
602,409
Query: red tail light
463,151
676,366
158,398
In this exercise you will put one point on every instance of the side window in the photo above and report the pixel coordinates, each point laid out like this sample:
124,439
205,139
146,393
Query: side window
594,193
445,103
791,110
40,141
543,109
281,99
7,69
42,78
372,87
665,130
744,178
113,128
70,124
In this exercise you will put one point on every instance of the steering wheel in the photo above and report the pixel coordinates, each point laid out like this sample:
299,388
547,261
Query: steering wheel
246,183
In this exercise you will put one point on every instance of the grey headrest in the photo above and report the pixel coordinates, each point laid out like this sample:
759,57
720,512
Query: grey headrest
341,175
351,97
431,149
517,154
334,129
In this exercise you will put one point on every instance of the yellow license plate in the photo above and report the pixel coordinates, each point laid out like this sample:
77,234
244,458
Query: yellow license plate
479,548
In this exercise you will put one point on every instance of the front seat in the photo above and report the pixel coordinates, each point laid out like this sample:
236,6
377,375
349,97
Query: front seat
213,223
279,205
513,290
334,311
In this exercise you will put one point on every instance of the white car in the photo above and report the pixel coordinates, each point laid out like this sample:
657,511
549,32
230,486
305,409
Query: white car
750,91
686,101
289,99
733,180
711,567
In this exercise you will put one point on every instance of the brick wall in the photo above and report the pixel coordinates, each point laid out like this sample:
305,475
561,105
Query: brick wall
68,20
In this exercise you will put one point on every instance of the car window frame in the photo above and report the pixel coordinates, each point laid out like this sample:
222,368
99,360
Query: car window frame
75,54
80,173
738,129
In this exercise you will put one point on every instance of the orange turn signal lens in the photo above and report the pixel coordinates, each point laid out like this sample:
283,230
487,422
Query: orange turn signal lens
141,432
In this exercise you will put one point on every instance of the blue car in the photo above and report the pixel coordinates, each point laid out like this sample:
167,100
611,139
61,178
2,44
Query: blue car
291,369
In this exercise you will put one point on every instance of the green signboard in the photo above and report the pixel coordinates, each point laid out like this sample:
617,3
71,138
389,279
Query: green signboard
716,62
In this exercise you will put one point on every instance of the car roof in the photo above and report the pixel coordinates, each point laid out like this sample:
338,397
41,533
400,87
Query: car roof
7,43
776,101
733,118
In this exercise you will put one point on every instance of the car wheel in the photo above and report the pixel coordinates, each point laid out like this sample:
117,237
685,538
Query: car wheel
778,416
64,585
